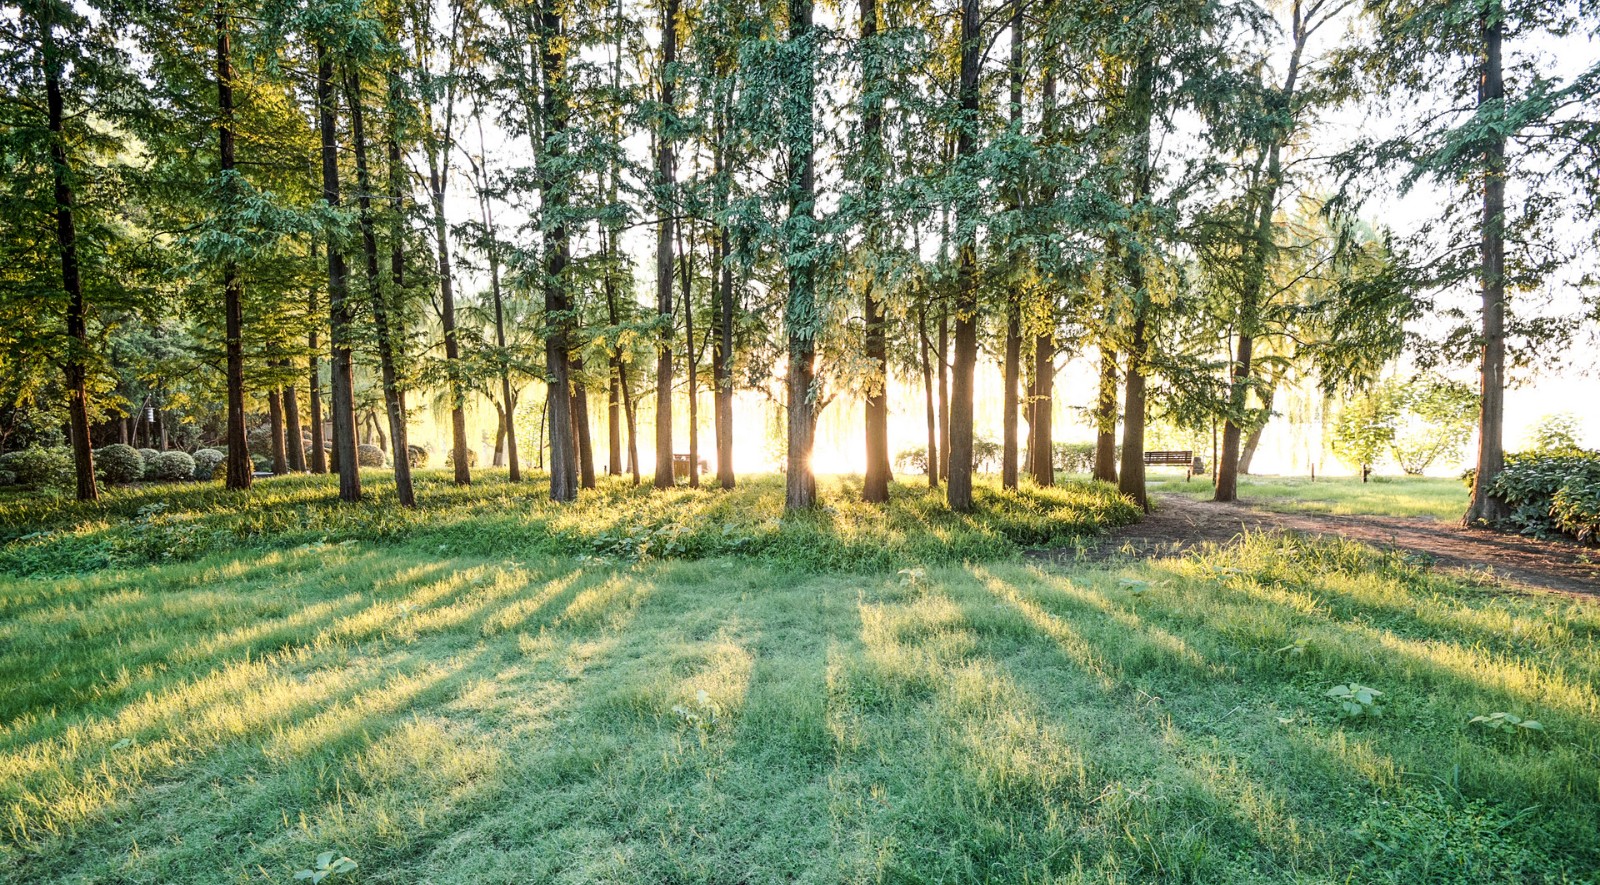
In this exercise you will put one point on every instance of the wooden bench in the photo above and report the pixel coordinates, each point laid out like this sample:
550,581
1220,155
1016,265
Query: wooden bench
680,466
1173,459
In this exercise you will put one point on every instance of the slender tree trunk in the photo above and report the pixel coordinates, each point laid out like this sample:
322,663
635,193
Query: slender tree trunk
1044,380
319,454
340,315
958,486
393,396
944,391
76,362
1253,441
927,390
1131,482
613,424
278,446
580,420
631,409
513,461
1105,415
722,348
291,414
1012,369
875,486
438,177
499,436
1141,100
1486,508
666,183
557,305
691,360
800,315
240,471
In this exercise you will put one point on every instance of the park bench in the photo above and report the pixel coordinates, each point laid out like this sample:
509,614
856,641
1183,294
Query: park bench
1183,458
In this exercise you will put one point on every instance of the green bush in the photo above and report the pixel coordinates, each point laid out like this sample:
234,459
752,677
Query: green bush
912,460
119,464
419,457
369,456
206,462
472,458
149,456
40,467
1552,493
172,466
7,478
1073,457
260,462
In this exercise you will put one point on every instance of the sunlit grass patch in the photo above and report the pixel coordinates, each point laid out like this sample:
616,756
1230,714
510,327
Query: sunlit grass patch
1413,496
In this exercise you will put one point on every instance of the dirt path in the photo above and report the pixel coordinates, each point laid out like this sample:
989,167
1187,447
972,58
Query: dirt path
1180,523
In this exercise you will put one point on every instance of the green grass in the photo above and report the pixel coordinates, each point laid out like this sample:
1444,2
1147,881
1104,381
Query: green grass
165,523
522,715
1429,497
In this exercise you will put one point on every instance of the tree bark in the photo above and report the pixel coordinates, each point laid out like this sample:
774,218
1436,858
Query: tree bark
1486,508
278,447
76,362
800,315
1141,101
1253,441
393,397
1105,413
580,421
691,359
958,486
340,315
240,471
1044,380
291,414
722,347
875,485
944,391
513,461
319,455
438,176
932,464
1012,369
665,234
557,305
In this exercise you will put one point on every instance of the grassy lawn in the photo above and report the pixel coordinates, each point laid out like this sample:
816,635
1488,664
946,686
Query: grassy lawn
494,690
1431,497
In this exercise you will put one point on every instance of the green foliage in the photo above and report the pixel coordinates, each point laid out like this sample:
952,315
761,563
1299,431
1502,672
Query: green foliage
1557,434
472,457
328,863
119,464
40,467
173,466
369,455
1436,418
1365,428
206,462
1507,723
1552,494
149,456
1073,457
1356,701
912,460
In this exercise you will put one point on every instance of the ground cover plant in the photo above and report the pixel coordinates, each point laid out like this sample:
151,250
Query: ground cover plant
432,710
1431,497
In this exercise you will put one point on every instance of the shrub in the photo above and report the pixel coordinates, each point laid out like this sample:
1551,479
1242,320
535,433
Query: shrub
260,462
119,464
1552,494
912,460
40,467
149,456
7,478
1073,457
206,462
172,466
369,456
472,458
418,456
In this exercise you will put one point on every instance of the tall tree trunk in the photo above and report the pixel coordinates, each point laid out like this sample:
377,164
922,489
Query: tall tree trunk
958,486
438,177
944,390
666,183
1044,381
1012,369
76,363
613,422
1141,101
277,445
875,486
927,391
240,471
580,421
319,454
291,415
513,461
690,357
800,315
1485,506
557,304
499,437
631,409
340,314
393,398
722,347
1261,247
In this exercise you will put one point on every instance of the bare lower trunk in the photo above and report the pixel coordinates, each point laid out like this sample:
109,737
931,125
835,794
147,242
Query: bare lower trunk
1044,371
580,421
1105,414
1131,482
239,471
800,319
1011,371
278,446
666,181
339,310
932,464
958,484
